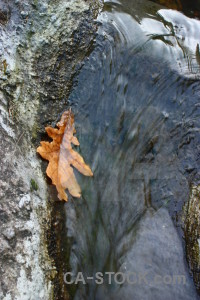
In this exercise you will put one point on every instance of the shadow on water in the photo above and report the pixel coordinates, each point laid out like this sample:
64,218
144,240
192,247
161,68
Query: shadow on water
136,103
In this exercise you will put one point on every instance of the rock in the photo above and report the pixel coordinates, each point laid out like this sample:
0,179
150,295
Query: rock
192,233
24,14
39,59
4,246
9,233
157,235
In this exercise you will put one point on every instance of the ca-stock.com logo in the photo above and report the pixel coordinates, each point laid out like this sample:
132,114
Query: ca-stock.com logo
120,278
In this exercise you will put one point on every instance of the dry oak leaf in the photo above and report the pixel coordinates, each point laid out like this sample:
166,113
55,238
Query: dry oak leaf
62,157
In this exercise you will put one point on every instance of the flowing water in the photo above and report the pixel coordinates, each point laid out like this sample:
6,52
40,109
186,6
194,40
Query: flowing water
137,113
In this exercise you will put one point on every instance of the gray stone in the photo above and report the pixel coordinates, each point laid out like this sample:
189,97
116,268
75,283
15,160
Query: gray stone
9,233
32,48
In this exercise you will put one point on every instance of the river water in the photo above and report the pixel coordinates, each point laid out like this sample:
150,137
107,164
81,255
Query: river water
136,105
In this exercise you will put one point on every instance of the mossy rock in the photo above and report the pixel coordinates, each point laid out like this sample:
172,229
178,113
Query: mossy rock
192,234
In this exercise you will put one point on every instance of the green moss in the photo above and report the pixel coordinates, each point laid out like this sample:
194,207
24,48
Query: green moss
35,130
34,185
35,3
3,66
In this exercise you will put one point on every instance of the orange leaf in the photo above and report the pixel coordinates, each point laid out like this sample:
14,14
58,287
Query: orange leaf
62,157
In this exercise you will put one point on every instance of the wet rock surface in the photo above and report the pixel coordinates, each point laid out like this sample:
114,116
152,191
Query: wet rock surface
137,118
42,45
